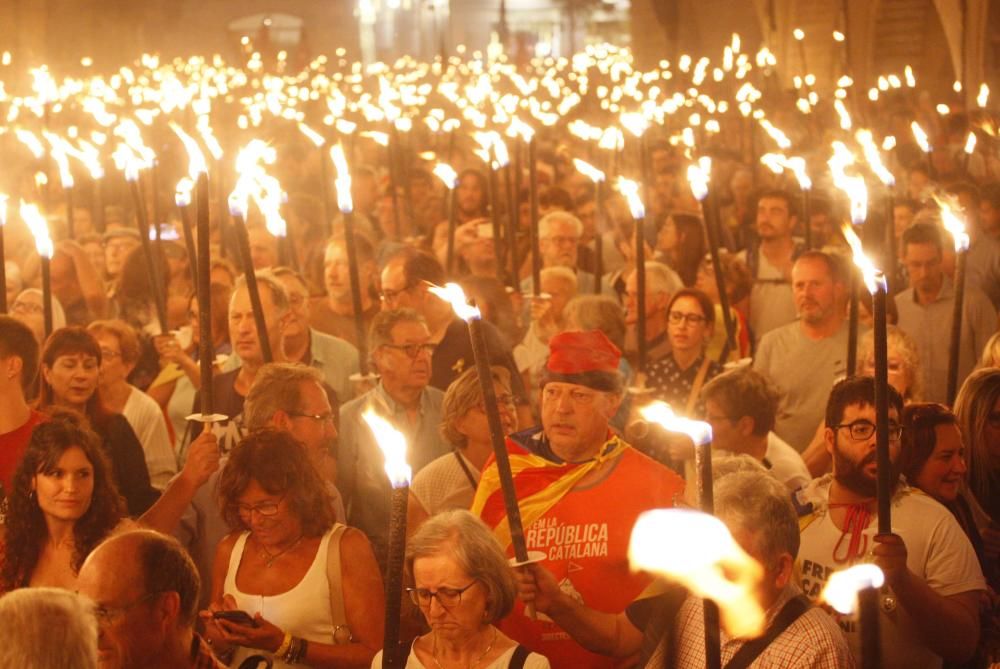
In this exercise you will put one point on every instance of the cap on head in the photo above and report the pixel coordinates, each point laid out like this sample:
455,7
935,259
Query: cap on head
584,358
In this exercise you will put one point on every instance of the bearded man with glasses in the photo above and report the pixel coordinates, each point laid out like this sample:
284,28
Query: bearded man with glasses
929,607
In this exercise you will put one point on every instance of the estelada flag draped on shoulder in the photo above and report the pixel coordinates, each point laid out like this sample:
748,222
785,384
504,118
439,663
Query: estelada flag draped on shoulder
539,483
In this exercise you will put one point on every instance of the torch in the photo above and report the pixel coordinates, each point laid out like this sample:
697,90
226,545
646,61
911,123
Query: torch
875,282
954,225
797,165
198,172
182,198
324,177
857,192
701,434
452,293
874,159
712,566
393,445
43,244
630,190
502,158
346,205
925,145
528,136
856,589
598,177
156,279
446,174
238,211
970,147
486,143
58,154
698,178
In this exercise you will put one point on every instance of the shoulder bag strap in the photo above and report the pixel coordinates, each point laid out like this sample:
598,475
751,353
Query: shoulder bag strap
752,649
333,577
465,468
699,381
519,657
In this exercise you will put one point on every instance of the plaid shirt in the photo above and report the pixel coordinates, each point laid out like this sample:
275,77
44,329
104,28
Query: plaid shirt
201,655
814,640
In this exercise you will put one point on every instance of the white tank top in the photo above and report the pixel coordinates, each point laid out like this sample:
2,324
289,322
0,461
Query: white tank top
303,611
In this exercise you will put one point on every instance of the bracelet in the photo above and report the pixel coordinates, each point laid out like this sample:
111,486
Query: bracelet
285,644
296,651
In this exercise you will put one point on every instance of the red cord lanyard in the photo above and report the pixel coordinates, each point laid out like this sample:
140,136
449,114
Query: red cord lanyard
858,518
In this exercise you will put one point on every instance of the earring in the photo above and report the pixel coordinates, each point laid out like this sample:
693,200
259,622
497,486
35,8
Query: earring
31,495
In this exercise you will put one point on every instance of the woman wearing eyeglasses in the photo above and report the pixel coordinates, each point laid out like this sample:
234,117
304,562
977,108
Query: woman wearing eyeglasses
678,377
310,588
462,585
62,504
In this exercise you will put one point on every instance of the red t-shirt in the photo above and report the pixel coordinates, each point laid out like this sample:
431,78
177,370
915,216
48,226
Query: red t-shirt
585,540
13,444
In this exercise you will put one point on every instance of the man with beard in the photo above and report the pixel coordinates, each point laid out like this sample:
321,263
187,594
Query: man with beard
926,308
929,607
804,358
770,258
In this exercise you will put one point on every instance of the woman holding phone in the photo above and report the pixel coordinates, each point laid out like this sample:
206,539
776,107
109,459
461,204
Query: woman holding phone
290,584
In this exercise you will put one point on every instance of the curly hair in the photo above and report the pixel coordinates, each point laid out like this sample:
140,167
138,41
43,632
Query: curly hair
280,465
25,531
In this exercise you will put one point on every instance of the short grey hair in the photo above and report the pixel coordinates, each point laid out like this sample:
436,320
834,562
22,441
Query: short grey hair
545,224
279,296
745,392
47,628
661,279
277,387
380,333
598,312
758,503
470,542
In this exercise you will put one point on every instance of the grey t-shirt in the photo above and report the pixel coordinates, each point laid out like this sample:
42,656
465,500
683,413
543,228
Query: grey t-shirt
804,370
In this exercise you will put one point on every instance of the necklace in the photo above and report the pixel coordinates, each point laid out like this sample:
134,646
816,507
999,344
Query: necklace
434,651
270,557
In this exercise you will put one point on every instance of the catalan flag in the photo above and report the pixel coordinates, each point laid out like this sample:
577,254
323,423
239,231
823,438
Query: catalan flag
540,484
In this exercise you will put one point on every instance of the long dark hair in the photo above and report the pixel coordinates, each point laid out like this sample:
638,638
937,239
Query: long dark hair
280,465
26,531
72,340
690,249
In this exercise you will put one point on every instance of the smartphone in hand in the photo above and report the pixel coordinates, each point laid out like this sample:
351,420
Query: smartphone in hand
237,617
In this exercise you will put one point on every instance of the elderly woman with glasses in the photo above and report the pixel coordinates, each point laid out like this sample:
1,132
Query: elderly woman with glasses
462,585
290,584
449,482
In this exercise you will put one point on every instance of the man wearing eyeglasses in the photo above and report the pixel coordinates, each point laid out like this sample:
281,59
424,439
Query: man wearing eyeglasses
929,609
401,350
145,588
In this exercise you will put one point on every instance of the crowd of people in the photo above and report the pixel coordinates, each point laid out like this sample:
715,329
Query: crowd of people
262,537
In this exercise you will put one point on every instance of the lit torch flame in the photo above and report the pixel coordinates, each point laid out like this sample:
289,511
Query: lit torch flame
343,180
588,170
313,136
453,294
630,190
841,591
712,565
873,277
921,137
3,209
39,229
984,95
854,186
663,415
953,224
447,174
182,194
196,159
393,446
970,143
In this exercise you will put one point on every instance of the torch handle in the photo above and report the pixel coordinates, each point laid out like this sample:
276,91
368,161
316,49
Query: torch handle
243,241
494,195
640,287
711,228
806,215
189,244
481,355
70,220
955,344
598,239
393,149
852,322
394,577
884,480
512,225
47,294
3,274
536,253
325,189
352,271
868,621
155,278
205,348
452,224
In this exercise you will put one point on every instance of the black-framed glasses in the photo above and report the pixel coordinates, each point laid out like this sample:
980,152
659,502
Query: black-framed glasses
391,295
327,417
861,430
678,317
413,350
107,615
265,509
447,597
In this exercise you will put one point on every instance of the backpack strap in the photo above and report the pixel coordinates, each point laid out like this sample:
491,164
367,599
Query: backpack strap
341,632
519,657
749,652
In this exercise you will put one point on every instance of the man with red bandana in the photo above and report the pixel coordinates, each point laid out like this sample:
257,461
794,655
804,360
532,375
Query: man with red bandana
580,488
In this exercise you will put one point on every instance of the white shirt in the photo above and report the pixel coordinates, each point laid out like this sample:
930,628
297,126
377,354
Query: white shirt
786,464
147,421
